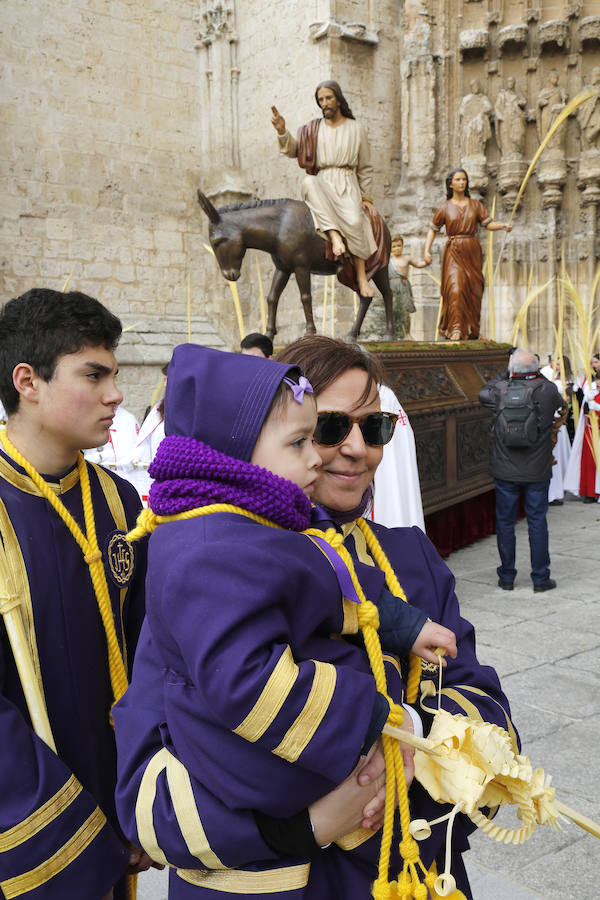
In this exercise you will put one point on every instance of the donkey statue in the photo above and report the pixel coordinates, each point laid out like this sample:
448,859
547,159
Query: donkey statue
284,228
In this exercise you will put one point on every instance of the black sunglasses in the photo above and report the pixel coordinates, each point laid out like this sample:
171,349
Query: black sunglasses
332,428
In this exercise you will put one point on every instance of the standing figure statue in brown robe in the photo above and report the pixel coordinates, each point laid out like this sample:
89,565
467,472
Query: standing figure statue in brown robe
334,151
462,262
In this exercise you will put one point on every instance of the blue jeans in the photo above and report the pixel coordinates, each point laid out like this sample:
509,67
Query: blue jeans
535,498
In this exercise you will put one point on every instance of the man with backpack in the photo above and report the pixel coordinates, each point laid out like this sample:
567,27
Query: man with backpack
521,462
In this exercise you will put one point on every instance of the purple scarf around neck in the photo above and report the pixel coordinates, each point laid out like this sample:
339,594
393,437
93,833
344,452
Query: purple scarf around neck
189,473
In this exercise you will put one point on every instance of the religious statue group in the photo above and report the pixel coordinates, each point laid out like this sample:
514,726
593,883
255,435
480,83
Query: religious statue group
334,151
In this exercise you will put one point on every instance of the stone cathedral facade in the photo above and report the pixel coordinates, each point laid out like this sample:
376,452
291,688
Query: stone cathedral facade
115,113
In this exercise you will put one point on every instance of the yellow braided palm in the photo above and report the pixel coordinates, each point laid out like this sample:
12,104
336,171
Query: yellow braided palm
368,620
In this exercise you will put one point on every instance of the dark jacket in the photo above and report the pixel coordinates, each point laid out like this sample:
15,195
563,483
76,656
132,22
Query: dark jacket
523,464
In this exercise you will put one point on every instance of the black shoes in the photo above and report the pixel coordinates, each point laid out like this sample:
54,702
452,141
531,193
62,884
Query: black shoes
505,585
590,499
556,503
544,586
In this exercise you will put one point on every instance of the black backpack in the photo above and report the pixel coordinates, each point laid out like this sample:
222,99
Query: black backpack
516,420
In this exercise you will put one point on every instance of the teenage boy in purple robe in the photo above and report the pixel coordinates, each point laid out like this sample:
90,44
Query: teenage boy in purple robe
59,834
263,709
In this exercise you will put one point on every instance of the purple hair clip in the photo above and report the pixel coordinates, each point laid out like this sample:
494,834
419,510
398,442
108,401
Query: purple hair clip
298,390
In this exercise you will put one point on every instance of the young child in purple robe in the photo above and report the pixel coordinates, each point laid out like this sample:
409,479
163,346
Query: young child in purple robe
264,704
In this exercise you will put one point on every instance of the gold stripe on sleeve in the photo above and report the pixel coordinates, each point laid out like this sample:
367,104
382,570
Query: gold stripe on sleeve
355,839
236,881
319,698
65,855
273,696
42,816
187,816
144,806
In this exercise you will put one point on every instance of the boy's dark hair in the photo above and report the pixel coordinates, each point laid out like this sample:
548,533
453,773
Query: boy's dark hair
42,325
255,339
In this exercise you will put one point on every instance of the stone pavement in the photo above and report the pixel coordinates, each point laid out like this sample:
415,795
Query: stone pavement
546,649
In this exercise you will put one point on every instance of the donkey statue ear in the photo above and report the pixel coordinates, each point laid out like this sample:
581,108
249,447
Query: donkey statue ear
209,209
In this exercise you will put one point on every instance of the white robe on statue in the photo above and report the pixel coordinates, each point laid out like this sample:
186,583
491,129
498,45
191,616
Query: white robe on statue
334,196
397,501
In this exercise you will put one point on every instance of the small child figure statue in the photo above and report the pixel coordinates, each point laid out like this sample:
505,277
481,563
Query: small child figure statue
401,288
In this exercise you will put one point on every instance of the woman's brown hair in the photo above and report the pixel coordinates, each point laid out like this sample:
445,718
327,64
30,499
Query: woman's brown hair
322,360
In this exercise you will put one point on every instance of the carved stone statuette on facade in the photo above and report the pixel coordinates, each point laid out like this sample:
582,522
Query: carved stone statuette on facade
552,168
588,119
474,115
588,115
551,101
475,129
511,120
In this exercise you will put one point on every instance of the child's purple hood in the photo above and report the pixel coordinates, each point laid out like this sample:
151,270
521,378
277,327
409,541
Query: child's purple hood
220,398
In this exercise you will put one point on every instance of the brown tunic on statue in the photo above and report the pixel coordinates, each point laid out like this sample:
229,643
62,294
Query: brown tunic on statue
462,275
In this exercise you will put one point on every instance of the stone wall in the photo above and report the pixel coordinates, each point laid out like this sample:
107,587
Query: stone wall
493,42
100,149
114,113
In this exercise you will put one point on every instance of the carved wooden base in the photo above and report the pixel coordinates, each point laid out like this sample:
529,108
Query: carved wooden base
438,384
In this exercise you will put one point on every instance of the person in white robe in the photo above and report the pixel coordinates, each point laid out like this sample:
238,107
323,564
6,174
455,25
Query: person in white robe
397,491
562,448
122,437
572,480
151,434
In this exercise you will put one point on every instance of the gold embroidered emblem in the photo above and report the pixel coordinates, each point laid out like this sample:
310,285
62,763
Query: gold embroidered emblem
428,667
121,559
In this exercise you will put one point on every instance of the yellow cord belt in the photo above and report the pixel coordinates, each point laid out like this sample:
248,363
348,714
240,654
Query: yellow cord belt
409,884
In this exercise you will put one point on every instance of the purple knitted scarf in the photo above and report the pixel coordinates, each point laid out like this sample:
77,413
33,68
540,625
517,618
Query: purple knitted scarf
189,473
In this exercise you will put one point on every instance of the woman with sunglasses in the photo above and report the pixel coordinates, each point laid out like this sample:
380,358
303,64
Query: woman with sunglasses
350,435
265,707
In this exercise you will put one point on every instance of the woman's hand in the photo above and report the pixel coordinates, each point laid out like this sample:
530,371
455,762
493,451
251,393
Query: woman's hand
356,802
427,257
508,227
